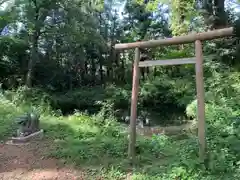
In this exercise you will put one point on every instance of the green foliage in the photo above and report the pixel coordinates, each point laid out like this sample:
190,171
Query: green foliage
74,71
12,54
101,143
7,114
30,99
182,15
222,102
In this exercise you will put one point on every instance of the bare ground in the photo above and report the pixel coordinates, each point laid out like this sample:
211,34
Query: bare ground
29,162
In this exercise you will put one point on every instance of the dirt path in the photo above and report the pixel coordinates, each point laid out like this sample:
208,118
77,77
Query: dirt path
28,162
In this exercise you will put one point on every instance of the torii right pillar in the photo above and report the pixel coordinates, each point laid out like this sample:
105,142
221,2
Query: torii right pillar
200,100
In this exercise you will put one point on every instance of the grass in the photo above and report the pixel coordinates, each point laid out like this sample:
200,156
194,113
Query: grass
91,143
99,146
7,114
95,144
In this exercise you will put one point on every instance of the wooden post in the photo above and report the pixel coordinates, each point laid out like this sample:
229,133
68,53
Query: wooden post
200,99
135,84
190,38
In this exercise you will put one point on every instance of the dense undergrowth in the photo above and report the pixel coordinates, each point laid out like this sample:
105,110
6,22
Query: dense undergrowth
91,138
99,144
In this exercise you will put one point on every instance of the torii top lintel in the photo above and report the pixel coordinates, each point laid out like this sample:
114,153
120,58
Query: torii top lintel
209,35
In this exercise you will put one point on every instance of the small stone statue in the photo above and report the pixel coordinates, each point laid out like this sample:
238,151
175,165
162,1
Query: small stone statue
144,116
28,124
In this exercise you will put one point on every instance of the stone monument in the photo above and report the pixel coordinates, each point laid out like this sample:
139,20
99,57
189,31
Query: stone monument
28,128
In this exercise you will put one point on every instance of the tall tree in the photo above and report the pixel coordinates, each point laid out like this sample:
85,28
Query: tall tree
34,13
181,13
214,13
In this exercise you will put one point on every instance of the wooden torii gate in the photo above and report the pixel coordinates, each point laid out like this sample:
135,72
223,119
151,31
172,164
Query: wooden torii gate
197,60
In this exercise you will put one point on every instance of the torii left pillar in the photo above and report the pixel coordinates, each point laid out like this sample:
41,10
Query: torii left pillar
133,118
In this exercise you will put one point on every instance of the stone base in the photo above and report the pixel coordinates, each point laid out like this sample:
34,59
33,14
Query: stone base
23,140
10,142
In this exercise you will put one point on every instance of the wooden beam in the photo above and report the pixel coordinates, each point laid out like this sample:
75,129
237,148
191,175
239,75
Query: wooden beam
135,86
200,100
168,62
210,35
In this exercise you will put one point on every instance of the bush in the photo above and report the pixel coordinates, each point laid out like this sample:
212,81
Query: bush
8,112
30,99
222,124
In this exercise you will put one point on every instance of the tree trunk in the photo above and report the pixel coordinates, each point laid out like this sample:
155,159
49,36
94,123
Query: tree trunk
154,71
86,73
70,80
215,15
93,72
144,70
220,20
111,59
101,69
33,58
82,72
123,67
38,22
